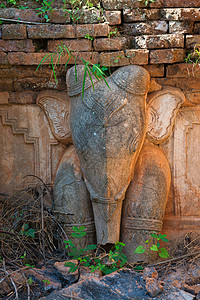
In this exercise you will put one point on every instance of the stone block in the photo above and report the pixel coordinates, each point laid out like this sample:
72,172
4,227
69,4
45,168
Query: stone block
180,82
3,58
154,86
17,45
6,85
121,4
102,44
154,27
121,58
183,70
177,3
92,30
180,27
135,15
193,97
29,15
181,14
72,45
4,97
59,16
24,97
7,13
158,41
14,31
155,70
192,40
51,31
88,16
113,17
168,56
197,28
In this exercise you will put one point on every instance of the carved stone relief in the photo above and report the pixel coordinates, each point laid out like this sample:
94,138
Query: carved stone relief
27,147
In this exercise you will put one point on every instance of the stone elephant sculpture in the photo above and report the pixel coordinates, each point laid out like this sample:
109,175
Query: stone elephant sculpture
115,178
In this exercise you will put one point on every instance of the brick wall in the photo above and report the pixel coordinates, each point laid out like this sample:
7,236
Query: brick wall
157,37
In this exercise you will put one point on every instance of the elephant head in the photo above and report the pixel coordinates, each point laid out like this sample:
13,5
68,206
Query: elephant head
108,126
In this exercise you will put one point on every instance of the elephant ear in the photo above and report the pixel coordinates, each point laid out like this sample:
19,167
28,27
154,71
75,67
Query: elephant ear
56,106
162,109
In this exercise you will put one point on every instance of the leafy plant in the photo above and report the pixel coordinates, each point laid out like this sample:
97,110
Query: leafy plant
89,68
115,258
162,252
113,32
30,280
147,2
25,230
194,56
87,36
46,7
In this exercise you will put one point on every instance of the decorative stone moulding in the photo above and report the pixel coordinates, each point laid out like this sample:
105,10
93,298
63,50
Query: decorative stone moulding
114,164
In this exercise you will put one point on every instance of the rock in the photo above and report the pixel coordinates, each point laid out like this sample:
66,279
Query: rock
154,287
68,277
150,273
85,273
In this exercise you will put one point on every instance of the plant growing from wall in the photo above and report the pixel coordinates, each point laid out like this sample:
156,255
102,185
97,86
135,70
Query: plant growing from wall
147,2
194,56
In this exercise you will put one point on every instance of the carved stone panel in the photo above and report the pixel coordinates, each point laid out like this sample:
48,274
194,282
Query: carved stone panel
186,175
27,147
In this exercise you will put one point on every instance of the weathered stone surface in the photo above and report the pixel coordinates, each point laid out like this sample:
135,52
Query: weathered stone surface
163,107
27,146
167,56
117,43
68,277
180,27
113,17
153,287
72,45
17,45
150,272
197,28
58,16
71,198
88,16
192,40
139,28
145,201
155,70
92,30
158,41
180,82
4,97
14,31
186,162
24,97
51,31
154,86
3,58
29,15
121,58
183,70
177,3
121,4
193,97
134,15
98,141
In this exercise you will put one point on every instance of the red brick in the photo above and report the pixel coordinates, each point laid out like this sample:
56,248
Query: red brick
180,27
25,97
72,45
17,45
166,56
92,30
158,41
181,14
59,16
6,85
51,31
91,16
14,31
197,28
121,4
113,17
134,15
3,58
192,40
154,27
155,70
124,58
182,83
183,70
176,3
117,43
21,58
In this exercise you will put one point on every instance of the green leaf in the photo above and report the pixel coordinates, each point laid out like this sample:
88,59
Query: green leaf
73,267
163,253
154,235
154,248
158,245
138,268
139,249
165,240
30,280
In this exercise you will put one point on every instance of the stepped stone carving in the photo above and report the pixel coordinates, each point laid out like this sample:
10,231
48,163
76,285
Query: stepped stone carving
114,132
26,147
